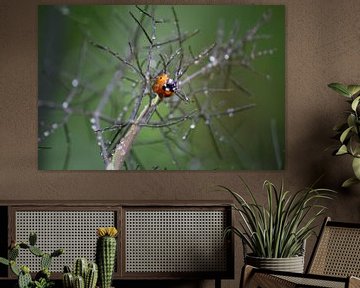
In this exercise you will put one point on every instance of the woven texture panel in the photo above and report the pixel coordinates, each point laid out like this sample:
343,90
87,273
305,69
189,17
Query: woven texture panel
338,253
175,241
75,231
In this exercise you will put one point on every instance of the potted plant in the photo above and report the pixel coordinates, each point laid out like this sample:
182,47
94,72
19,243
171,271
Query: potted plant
276,233
348,132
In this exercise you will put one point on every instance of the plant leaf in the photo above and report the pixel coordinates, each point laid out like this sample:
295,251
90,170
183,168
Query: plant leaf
342,150
349,182
353,89
340,88
355,103
356,167
4,261
345,134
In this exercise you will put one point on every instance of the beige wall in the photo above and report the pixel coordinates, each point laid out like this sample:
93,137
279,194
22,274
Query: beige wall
322,46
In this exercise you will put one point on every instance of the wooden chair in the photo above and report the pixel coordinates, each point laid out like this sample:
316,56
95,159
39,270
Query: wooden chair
335,262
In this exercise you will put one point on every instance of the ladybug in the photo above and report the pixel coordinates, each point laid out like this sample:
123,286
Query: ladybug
164,86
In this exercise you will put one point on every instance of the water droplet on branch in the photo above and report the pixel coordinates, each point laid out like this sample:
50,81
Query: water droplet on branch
75,83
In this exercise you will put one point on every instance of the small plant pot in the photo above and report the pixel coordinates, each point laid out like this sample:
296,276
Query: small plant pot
291,264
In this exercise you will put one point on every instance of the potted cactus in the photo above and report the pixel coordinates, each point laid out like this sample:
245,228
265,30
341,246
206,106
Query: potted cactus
42,278
106,254
84,274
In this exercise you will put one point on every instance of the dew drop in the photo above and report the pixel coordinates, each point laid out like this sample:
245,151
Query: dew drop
196,62
65,105
75,83
98,137
184,137
54,126
192,126
125,108
226,57
171,116
221,139
92,121
99,143
93,127
65,10
207,122
206,92
259,53
212,59
46,133
153,37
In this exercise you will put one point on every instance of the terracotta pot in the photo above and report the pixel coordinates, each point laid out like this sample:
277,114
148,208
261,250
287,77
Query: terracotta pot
291,264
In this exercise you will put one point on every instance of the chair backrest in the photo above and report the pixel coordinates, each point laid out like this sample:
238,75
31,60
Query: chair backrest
337,251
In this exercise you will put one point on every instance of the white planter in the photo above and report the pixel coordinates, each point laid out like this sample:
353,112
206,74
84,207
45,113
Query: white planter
291,264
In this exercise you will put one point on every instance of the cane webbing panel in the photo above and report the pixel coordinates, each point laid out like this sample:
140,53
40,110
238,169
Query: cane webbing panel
175,241
338,252
313,282
74,231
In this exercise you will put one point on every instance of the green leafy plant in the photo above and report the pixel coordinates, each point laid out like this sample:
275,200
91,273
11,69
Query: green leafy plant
349,132
42,278
279,229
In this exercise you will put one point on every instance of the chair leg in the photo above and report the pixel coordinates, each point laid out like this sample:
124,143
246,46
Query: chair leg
246,274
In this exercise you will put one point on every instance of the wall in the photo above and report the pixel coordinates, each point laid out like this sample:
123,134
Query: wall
322,46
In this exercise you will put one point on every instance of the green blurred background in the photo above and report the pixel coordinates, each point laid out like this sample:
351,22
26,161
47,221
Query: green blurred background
249,140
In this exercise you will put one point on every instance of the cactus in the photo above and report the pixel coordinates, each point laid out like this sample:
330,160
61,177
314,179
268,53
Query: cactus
80,267
105,254
36,251
42,278
45,261
87,272
32,238
13,253
24,277
91,276
14,268
68,280
79,282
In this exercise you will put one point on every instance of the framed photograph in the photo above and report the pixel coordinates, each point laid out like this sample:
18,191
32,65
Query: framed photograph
160,87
